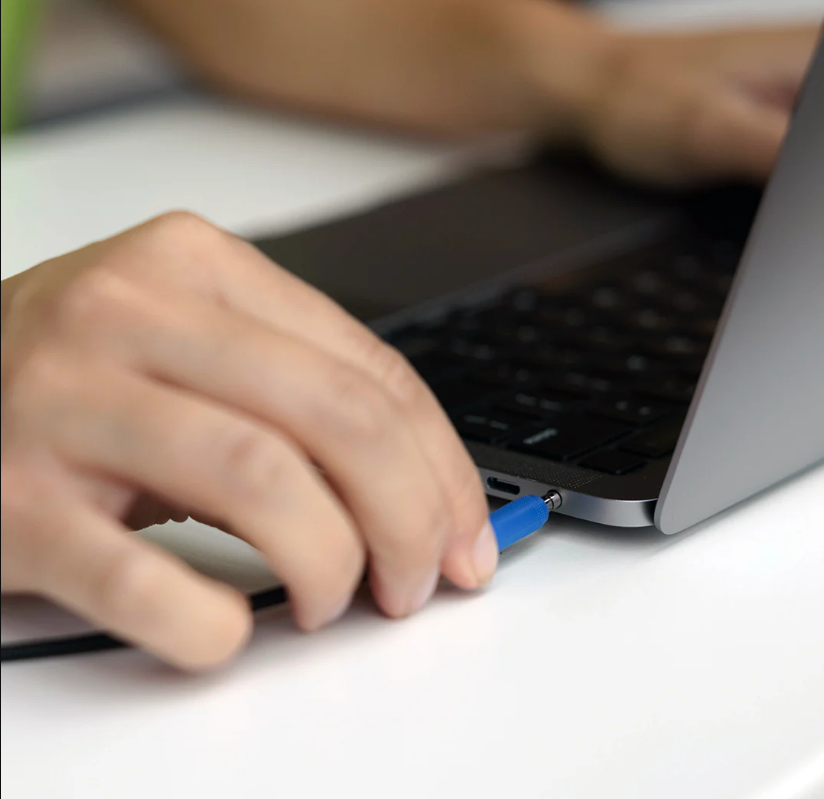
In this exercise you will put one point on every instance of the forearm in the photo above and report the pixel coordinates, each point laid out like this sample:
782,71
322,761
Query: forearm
445,66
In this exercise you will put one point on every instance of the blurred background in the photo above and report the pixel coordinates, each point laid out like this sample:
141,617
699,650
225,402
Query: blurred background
89,56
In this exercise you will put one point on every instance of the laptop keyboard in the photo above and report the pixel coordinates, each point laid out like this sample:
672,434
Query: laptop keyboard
596,372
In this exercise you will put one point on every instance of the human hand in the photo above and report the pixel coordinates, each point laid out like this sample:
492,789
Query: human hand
681,108
664,107
175,366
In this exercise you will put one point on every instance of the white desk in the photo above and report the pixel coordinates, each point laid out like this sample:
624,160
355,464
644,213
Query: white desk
601,664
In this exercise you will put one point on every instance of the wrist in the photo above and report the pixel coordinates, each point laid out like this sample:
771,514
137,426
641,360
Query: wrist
563,57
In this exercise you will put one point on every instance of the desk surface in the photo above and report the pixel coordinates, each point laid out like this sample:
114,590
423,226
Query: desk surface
600,663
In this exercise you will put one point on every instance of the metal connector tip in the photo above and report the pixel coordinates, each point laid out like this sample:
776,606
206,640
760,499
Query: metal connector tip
553,500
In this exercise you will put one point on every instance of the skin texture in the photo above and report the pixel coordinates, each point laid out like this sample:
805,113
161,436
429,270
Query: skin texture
174,370
662,108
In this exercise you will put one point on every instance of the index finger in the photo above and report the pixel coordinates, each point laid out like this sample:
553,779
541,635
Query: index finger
233,272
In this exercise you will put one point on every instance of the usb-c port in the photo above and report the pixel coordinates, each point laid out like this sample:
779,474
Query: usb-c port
499,485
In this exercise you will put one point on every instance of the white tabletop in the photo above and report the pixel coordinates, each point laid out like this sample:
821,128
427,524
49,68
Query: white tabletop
601,663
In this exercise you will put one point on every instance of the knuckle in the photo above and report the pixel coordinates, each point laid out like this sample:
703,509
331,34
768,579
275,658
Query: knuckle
128,585
42,375
93,297
366,413
397,375
184,229
253,463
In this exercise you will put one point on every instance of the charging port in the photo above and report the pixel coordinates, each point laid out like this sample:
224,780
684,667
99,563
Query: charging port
499,485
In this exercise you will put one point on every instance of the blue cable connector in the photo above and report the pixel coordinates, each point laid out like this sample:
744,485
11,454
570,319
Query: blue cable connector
522,517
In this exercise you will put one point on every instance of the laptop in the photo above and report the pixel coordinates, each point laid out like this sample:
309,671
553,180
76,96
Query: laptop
655,359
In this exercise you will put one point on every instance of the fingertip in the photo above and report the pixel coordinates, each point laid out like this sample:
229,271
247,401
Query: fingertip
311,618
740,137
473,566
403,595
220,637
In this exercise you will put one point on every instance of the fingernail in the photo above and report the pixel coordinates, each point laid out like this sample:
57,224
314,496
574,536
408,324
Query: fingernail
485,554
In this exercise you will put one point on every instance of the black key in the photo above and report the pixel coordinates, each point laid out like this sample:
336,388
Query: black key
585,383
648,320
612,462
669,389
520,335
466,323
699,326
567,437
471,350
716,284
490,426
657,441
540,403
547,360
523,300
455,394
605,339
506,374
631,366
566,318
688,266
675,346
437,366
691,302
415,346
632,411
649,282
608,298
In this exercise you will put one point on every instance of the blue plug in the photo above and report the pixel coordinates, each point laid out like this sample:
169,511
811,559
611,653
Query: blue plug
522,517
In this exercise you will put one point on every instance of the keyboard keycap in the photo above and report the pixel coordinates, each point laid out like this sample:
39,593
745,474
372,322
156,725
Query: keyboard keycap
414,344
520,335
437,366
699,326
506,374
604,339
648,282
608,298
472,350
669,389
632,411
564,438
612,462
631,365
656,442
675,346
550,359
585,383
490,426
456,394
647,320
540,403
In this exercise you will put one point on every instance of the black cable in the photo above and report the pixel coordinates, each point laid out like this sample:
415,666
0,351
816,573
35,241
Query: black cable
101,642
512,522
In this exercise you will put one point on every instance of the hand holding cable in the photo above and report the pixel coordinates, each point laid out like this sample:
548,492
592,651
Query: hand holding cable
512,523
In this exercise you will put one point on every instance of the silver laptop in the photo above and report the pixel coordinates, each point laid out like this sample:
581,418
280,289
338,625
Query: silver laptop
655,360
